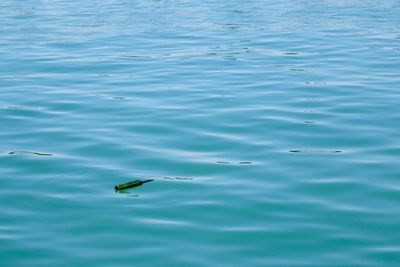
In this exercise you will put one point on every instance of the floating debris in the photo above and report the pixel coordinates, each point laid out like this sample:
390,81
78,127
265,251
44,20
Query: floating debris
29,152
245,162
131,184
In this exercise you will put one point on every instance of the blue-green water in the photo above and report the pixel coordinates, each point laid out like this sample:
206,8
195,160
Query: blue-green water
271,130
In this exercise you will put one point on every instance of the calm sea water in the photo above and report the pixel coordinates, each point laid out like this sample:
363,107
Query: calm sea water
271,130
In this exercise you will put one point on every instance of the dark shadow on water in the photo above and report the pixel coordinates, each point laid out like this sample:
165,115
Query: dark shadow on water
315,151
240,162
178,178
18,152
317,83
127,193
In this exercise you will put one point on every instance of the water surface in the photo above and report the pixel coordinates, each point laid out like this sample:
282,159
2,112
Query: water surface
271,130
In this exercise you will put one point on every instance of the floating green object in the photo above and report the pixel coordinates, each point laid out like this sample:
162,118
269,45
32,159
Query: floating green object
131,184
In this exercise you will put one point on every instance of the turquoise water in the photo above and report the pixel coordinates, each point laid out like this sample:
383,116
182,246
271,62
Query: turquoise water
271,130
